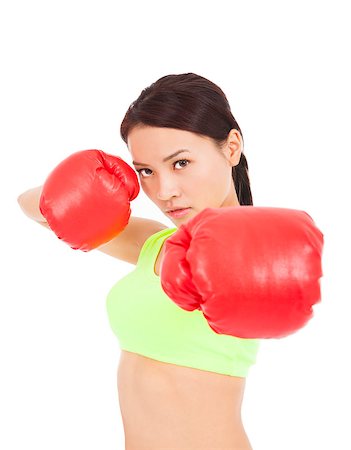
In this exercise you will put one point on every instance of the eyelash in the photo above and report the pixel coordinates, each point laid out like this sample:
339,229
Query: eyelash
175,162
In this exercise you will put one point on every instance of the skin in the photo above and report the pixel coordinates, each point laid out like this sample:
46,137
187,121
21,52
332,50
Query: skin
205,180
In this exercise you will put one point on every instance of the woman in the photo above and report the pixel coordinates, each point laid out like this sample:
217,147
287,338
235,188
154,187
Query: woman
180,384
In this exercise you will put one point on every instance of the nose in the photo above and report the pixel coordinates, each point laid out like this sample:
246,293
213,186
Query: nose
167,188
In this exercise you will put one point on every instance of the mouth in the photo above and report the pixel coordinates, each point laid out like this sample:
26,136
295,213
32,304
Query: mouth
176,213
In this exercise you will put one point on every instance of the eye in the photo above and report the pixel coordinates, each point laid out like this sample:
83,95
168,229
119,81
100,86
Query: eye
176,162
140,170
181,160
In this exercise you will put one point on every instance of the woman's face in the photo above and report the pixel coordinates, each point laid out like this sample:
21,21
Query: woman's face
180,169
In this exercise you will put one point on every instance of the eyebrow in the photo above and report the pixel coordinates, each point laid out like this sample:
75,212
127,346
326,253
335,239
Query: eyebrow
164,159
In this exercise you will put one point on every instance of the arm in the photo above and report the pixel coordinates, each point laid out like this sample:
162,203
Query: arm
29,203
126,246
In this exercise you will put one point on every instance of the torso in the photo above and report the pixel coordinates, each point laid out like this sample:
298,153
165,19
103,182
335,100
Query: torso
168,406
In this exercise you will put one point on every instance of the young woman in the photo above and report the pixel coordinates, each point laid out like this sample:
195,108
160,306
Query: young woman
180,384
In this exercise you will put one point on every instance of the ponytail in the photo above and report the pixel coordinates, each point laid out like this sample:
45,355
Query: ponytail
240,174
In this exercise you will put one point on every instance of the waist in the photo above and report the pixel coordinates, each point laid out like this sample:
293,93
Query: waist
167,402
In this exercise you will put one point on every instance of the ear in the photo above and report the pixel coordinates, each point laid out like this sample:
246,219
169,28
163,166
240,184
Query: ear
233,147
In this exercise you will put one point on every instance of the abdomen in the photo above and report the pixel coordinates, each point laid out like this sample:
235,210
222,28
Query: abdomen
165,405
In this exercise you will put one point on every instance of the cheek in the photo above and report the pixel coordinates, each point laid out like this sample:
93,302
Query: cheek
146,190
202,174
212,185
143,186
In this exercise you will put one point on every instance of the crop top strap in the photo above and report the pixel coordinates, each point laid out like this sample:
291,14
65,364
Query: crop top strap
152,246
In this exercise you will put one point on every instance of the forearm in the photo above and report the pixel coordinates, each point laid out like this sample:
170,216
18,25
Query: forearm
29,202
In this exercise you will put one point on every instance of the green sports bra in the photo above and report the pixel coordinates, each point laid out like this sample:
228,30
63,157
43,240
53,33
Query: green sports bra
146,321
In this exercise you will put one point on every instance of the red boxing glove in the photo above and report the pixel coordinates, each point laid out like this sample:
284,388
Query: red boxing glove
85,199
253,271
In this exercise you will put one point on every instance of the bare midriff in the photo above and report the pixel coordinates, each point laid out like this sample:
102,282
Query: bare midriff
170,407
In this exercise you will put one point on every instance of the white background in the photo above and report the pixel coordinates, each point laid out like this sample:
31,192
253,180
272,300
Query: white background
70,69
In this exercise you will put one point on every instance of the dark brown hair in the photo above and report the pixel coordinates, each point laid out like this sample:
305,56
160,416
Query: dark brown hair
192,103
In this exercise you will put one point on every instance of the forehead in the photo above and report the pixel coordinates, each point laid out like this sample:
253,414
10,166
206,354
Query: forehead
162,141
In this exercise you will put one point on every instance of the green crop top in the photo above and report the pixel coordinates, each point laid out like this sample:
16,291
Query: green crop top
146,321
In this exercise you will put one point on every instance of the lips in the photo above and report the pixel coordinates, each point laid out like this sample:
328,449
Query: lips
178,213
176,209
